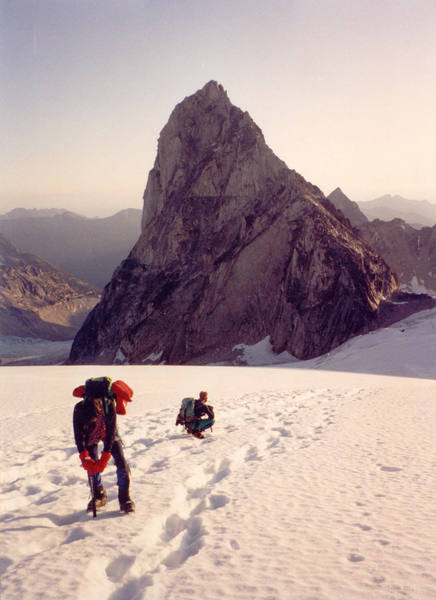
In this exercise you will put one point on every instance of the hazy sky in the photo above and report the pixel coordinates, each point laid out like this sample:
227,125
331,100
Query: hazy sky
343,90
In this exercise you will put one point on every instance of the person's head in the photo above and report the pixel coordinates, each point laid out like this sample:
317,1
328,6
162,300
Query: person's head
203,396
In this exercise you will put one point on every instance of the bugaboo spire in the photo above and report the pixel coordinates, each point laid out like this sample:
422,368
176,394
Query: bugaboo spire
235,247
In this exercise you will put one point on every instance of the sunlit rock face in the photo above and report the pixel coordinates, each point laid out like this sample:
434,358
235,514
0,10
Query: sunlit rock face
235,247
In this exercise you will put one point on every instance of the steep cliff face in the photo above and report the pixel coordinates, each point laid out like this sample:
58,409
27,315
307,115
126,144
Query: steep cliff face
37,299
235,247
410,252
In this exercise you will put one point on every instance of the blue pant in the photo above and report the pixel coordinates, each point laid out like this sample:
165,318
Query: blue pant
203,424
123,471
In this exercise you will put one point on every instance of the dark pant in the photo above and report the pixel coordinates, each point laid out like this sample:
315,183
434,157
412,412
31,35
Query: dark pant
123,471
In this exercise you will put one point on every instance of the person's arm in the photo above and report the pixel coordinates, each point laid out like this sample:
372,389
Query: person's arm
209,411
78,423
79,438
199,410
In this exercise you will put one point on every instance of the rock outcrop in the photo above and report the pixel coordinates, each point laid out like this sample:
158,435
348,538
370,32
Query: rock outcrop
235,247
37,299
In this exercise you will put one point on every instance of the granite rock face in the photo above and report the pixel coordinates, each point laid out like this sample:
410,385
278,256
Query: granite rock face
235,247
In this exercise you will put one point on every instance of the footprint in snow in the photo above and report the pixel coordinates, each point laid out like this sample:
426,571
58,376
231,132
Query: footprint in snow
158,465
174,525
218,501
355,558
190,545
5,563
222,471
282,431
118,567
252,454
363,527
390,469
78,533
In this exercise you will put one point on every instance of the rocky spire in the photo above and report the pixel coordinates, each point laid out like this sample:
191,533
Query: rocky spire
205,140
235,247
349,208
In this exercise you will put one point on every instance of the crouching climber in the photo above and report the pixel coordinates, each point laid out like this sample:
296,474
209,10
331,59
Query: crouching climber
94,421
191,415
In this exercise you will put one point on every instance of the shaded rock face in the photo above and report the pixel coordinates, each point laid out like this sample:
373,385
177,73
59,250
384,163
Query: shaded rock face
349,208
409,252
37,299
235,247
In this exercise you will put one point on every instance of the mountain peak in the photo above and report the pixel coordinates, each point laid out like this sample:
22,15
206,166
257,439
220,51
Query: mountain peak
207,130
235,248
349,208
337,191
210,95
213,89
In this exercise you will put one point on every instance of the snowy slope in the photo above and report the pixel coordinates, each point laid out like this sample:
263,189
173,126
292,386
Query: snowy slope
315,484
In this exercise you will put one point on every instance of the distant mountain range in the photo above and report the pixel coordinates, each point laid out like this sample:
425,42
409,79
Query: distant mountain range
409,250
418,213
87,248
37,299
36,213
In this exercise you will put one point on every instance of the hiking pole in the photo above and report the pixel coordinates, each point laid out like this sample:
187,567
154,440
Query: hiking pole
91,485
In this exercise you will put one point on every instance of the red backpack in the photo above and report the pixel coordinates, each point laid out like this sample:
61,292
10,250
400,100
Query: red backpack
103,387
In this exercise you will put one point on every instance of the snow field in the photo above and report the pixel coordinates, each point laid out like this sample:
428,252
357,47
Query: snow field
312,485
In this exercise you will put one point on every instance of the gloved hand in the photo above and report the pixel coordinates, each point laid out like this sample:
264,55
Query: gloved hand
100,465
87,462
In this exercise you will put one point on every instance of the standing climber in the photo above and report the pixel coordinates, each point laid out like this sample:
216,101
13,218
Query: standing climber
94,421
